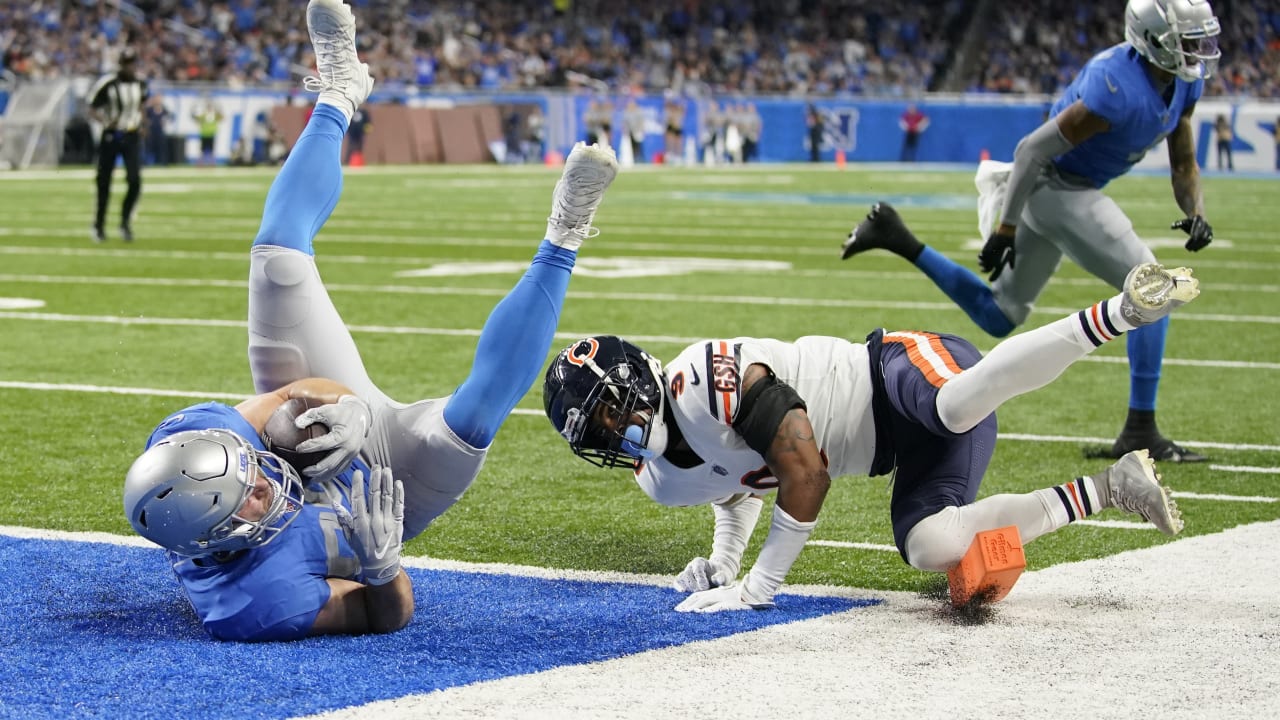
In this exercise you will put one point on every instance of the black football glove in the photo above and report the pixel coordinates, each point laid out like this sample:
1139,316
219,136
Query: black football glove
1201,234
997,253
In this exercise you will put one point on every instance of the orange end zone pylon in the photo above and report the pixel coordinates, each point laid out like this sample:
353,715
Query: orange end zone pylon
989,568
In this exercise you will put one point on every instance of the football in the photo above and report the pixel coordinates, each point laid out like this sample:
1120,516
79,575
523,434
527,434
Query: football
282,436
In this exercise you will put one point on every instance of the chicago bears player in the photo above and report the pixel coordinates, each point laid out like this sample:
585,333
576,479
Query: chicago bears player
730,420
1126,100
259,557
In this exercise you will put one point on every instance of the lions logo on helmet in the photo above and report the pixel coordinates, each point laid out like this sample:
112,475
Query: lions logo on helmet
600,378
185,492
1177,36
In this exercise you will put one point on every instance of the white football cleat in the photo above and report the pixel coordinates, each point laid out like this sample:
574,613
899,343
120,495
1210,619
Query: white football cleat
587,174
1152,292
344,81
1132,484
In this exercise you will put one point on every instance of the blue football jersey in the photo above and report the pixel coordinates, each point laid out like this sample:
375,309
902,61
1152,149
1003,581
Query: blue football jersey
1115,85
275,591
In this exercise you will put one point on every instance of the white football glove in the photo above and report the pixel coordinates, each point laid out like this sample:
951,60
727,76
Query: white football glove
703,574
736,596
376,526
348,421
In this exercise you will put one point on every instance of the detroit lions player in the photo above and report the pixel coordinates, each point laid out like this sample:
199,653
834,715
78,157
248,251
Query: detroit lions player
729,420
1124,102
258,558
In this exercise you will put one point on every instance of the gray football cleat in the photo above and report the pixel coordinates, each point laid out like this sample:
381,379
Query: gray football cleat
1152,292
344,80
588,171
1132,484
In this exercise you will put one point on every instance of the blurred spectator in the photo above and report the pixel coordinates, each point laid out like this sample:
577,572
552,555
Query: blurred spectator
813,120
673,136
913,123
752,126
535,135
1222,131
633,120
208,117
356,133
159,119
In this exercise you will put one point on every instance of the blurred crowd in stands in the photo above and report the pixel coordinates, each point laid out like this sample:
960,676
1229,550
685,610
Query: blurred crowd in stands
691,47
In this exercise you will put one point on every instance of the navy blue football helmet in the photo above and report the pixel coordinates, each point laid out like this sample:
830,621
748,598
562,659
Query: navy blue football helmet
594,390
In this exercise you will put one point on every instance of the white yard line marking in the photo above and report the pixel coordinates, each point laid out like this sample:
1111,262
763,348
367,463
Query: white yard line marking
852,545
1117,524
1246,469
1224,498
470,332
531,412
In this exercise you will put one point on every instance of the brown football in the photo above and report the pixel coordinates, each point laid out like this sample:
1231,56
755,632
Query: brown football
282,436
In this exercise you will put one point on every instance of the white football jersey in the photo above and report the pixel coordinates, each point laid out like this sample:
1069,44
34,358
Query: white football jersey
831,375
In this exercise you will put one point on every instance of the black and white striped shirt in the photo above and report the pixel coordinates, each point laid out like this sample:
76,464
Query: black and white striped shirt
119,100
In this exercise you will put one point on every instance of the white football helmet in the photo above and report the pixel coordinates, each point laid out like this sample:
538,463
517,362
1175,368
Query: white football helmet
1179,36
185,492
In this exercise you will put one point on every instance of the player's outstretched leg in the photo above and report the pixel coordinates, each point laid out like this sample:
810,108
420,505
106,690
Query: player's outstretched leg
1033,359
1151,292
515,339
307,188
884,229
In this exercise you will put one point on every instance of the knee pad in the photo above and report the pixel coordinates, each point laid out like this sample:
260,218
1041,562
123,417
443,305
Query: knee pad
934,544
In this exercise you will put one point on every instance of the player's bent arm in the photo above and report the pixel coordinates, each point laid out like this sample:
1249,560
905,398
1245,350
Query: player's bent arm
1056,136
259,407
1184,172
773,420
356,609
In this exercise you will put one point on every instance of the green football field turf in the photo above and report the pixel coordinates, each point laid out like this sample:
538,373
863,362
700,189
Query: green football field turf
126,334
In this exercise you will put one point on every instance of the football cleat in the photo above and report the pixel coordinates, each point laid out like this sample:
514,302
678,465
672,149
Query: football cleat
344,81
126,233
882,229
1161,449
98,235
588,171
1132,484
1151,292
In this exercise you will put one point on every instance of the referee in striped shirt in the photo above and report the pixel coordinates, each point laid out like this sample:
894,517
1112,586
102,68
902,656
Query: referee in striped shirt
116,101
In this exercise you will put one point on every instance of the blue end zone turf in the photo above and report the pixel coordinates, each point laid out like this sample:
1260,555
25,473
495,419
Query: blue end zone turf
89,629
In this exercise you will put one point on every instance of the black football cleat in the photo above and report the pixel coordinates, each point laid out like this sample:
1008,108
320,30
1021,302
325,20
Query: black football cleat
882,229
1162,449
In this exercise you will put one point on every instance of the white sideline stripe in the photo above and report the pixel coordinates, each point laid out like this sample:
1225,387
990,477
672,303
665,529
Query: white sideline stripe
470,332
1117,524
852,545
1225,498
1246,469
583,295
531,412
423,562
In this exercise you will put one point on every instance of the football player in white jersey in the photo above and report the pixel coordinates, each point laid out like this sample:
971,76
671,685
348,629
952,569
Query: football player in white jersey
729,420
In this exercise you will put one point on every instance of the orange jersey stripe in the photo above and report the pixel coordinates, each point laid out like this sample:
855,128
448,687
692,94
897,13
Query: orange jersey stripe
1075,499
927,353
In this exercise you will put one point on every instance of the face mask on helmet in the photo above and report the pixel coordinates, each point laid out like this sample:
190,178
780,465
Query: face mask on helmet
187,493
1177,36
604,396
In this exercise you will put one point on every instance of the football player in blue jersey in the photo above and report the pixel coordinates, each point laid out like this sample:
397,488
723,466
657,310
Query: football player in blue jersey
266,551
1124,102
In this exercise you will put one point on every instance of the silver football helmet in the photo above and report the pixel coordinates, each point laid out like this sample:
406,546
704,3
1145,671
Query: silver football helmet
185,492
1179,36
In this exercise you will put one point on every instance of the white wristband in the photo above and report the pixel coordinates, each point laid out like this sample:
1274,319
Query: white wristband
787,537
